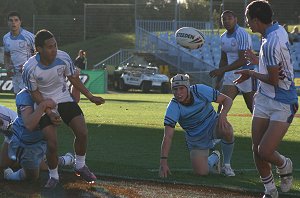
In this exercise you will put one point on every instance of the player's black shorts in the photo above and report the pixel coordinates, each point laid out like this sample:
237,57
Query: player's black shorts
66,110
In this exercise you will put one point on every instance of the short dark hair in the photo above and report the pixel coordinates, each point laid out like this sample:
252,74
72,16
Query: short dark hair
228,12
41,36
14,13
261,10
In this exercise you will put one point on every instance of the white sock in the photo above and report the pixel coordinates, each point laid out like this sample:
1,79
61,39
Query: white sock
79,161
54,173
268,182
19,175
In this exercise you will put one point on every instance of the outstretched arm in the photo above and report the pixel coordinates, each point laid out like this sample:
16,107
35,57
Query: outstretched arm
76,82
165,148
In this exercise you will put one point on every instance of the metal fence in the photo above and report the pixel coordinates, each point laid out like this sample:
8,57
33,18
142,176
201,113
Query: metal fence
96,19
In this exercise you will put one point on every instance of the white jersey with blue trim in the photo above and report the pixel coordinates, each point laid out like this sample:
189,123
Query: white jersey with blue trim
7,116
20,132
275,52
20,47
231,44
50,80
196,117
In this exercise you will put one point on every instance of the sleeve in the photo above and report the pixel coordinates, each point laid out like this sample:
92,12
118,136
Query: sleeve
243,40
208,93
31,42
70,68
28,77
172,114
271,52
5,45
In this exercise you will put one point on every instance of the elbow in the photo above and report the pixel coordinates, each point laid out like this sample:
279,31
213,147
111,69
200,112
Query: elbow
29,126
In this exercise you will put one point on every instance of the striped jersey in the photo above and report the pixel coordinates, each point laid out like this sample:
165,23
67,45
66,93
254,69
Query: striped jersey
49,80
197,117
274,51
7,116
20,47
231,44
21,134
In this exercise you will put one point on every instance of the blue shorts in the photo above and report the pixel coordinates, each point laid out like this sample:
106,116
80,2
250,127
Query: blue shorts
204,140
29,157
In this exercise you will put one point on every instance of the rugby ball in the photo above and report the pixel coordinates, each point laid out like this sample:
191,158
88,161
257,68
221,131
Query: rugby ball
189,37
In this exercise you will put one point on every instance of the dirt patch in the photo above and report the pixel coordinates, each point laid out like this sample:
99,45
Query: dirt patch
108,187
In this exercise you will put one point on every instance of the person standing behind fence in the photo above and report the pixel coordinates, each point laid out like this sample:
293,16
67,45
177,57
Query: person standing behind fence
81,60
18,48
276,101
235,41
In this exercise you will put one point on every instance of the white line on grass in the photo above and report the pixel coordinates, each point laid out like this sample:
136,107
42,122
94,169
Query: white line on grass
189,170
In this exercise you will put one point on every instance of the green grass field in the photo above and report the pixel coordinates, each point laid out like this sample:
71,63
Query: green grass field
126,132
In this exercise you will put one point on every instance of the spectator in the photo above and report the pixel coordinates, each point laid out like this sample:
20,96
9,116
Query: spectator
295,35
81,60
289,34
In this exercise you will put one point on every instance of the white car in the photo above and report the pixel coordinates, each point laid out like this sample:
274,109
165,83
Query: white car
141,77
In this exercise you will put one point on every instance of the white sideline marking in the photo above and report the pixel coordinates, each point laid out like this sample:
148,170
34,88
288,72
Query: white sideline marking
189,170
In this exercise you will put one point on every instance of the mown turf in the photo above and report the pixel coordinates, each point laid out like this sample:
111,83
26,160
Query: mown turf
126,132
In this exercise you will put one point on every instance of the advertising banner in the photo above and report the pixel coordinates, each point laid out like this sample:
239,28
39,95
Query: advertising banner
95,81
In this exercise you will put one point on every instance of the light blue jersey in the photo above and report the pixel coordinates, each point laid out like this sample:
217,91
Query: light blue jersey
197,119
50,80
231,44
275,52
21,134
20,47
7,116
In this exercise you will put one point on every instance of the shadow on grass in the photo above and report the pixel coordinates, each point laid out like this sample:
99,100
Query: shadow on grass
127,101
133,152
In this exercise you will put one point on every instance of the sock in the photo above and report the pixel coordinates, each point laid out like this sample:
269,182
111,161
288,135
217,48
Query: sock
227,149
17,176
212,160
268,182
80,161
64,160
54,173
284,163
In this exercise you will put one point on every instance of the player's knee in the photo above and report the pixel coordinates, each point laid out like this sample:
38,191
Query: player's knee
255,149
264,153
202,172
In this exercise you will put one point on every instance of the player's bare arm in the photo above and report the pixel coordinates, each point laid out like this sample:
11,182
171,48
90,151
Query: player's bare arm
8,64
271,78
226,103
38,98
241,61
32,117
76,82
251,57
164,170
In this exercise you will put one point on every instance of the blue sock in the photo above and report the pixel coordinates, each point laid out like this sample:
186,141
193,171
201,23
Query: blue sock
227,149
212,160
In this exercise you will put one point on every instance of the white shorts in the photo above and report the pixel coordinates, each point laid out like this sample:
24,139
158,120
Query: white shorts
265,107
245,87
17,82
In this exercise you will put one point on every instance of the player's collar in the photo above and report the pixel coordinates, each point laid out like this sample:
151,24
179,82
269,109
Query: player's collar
271,28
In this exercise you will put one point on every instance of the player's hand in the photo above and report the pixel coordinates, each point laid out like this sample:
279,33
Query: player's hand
223,122
97,100
216,72
49,103
164,170
244,75
55,118
251,57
